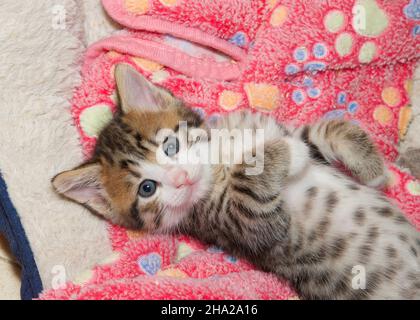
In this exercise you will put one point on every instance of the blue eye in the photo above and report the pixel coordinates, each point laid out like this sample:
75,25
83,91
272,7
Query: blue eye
147,188
171,146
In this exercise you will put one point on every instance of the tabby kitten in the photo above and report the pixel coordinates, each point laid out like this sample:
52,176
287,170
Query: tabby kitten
299,218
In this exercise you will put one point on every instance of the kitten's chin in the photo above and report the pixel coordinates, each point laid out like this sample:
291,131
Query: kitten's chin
185,198
182,203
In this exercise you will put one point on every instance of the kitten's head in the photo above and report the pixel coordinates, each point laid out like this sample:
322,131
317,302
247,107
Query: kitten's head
136,178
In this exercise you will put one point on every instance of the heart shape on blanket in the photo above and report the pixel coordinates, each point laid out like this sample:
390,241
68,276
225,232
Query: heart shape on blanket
150,263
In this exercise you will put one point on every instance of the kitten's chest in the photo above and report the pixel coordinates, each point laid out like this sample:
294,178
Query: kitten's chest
319,192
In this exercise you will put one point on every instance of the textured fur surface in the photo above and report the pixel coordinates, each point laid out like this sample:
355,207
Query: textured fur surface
299,218
38,72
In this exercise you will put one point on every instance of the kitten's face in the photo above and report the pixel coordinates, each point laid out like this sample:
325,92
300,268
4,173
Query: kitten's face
139,177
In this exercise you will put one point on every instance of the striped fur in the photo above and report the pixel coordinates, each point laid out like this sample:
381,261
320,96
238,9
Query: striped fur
301,218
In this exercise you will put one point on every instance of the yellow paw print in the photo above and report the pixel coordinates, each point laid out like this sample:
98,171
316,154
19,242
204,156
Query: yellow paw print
148,65
263,96
169,3
173,273
137,6
229,100
391,96
279,16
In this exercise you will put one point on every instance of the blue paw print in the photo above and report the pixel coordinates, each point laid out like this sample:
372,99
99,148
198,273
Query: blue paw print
416,30
306,88
315,66
150,263
308,82
335,114
314,93
239,39
298,96
300,54
342,98
352,106
320,51
412,10
292,69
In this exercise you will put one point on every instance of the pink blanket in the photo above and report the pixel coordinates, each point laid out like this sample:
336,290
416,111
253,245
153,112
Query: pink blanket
300,60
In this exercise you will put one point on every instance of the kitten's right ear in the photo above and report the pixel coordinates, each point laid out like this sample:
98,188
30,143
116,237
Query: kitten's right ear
83,185
137,93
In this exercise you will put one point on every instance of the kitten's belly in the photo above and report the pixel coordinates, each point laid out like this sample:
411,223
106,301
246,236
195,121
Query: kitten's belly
350,207
306,199
355,206
355,226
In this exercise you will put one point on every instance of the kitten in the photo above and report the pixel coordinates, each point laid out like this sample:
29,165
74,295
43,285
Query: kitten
300,218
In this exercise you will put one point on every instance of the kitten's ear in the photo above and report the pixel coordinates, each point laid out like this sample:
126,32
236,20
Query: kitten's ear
137,93
84,186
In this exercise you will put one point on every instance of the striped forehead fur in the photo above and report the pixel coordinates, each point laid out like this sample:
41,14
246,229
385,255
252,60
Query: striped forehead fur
127,141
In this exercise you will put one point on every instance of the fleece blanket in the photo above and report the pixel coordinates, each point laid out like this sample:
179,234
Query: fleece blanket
41,44
297,60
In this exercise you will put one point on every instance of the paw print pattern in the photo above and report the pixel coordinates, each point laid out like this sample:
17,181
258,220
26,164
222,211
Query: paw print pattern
412,10
300,54
336,21
306,88
95,118
352,106
391,97
138,7
320,50
240,39
416,30
345,107
302,57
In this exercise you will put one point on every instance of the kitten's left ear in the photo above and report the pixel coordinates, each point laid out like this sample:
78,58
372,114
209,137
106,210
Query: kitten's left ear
137,93
83,185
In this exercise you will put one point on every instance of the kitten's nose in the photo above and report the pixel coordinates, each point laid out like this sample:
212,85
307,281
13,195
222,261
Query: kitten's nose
178,177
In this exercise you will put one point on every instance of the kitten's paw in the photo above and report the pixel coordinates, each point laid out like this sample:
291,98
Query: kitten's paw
381,181
411,160
299,156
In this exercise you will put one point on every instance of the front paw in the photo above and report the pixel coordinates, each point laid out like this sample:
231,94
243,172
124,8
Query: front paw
299,156
411,161
381,181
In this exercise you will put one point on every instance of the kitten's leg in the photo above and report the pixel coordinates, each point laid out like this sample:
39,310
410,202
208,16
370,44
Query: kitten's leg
339,140
278,161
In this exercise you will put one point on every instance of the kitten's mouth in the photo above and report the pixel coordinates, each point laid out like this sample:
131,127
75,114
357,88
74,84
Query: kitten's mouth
187,194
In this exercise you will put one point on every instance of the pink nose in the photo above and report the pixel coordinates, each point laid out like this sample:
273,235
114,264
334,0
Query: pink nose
178,177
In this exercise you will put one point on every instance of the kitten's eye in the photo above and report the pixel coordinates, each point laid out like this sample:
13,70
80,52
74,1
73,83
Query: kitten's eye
171,146
147,188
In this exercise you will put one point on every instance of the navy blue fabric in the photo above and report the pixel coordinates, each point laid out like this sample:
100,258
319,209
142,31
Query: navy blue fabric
11,228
